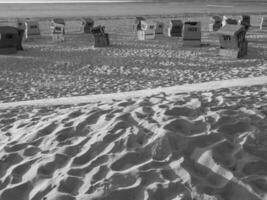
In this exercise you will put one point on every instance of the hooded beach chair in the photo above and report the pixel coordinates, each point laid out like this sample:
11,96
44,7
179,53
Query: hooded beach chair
101,38
88,24
175,28
137,23
229,20
10,39
58,33
31,28
192,34
57,22
245,21
147,31
263,24
216,23
232,40
159,28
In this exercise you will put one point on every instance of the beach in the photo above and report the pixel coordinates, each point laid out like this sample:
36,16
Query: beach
137,120
46,69
199,145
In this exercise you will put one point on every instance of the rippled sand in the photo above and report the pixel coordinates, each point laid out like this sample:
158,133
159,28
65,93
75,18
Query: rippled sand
201,145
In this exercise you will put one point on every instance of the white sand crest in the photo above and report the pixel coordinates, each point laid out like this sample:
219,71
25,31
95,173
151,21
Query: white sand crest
212,85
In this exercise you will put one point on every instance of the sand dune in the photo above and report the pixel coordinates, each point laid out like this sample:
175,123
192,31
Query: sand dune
200,145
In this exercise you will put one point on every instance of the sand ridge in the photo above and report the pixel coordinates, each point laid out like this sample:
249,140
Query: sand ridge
213,85
199,145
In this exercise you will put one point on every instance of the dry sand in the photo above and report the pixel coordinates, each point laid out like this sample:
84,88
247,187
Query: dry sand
105,98
201,145
73,68
205,145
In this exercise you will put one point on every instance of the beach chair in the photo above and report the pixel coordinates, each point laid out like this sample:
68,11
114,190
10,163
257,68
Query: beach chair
263,24
232,40
175,28
58,33
229,20
57,22
192,34
159,30
216,23
101,38
10,39
31,28
88,24
245,21
137,23
147,31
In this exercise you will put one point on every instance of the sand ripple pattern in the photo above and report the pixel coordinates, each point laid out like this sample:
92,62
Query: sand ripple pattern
203,145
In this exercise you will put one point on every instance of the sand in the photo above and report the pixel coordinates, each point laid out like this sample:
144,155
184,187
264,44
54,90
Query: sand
203,141
199,145
75,68
105,98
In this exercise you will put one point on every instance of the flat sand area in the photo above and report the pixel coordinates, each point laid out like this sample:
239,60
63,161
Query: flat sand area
74,68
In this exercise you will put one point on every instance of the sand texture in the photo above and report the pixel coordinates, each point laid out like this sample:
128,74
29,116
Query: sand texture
105,98
206,143
74,68
202,145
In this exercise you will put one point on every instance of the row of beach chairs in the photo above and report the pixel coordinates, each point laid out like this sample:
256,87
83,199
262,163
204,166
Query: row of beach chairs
231,35
57,25
13,32
230,31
